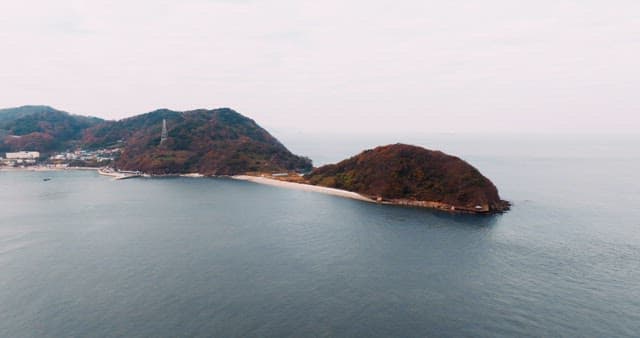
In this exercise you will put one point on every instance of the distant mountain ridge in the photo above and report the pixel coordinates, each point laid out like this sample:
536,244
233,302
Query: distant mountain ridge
41,128
22,111
211,142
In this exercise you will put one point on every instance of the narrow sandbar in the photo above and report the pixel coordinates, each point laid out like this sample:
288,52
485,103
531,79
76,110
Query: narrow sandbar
304,187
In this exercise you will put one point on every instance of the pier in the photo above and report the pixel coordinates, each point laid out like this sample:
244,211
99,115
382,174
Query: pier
119,175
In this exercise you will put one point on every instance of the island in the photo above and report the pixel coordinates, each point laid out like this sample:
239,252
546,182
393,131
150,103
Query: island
223,142
410,175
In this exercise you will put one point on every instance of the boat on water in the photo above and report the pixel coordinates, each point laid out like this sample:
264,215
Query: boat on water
46,179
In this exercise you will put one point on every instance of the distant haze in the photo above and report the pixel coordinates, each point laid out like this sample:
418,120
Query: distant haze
347,66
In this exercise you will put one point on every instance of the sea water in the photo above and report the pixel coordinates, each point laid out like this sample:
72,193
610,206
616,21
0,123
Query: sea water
83,255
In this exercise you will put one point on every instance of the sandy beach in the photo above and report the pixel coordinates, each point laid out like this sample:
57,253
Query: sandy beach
305,187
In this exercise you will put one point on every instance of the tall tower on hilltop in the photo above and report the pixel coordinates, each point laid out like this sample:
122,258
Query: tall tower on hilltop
165,134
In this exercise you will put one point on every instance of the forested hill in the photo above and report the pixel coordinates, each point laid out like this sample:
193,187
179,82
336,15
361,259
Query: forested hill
41,128
210,142
404,173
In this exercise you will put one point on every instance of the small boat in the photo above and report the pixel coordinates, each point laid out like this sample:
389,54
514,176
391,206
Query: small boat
46,179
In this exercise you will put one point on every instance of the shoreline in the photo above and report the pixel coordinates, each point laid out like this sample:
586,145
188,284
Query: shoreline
439,206
41,168
278,183
303,187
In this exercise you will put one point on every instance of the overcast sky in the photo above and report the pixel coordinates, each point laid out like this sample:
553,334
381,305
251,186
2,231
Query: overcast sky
394,66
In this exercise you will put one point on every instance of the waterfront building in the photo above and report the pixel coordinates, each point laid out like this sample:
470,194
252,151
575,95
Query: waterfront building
23,155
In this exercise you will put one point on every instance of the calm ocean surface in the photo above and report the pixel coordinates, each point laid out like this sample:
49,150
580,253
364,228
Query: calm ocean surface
82,255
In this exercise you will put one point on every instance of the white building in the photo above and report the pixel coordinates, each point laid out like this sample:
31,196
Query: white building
23,155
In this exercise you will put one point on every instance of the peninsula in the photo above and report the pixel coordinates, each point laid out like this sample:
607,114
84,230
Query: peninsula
409,175
224,142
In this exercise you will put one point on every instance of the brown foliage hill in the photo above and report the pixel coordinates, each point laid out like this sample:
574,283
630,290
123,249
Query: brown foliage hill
41,128
401,171
210,142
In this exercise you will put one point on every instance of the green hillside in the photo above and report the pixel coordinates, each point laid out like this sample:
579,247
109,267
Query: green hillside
41,128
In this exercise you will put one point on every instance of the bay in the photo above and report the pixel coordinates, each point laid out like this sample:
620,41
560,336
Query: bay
82,255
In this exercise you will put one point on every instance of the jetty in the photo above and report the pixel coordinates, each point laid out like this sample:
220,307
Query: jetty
119,174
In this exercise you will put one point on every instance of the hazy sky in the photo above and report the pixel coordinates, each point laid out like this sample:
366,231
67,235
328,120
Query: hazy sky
395,66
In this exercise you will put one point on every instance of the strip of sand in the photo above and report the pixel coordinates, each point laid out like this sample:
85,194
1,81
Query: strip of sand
304,187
